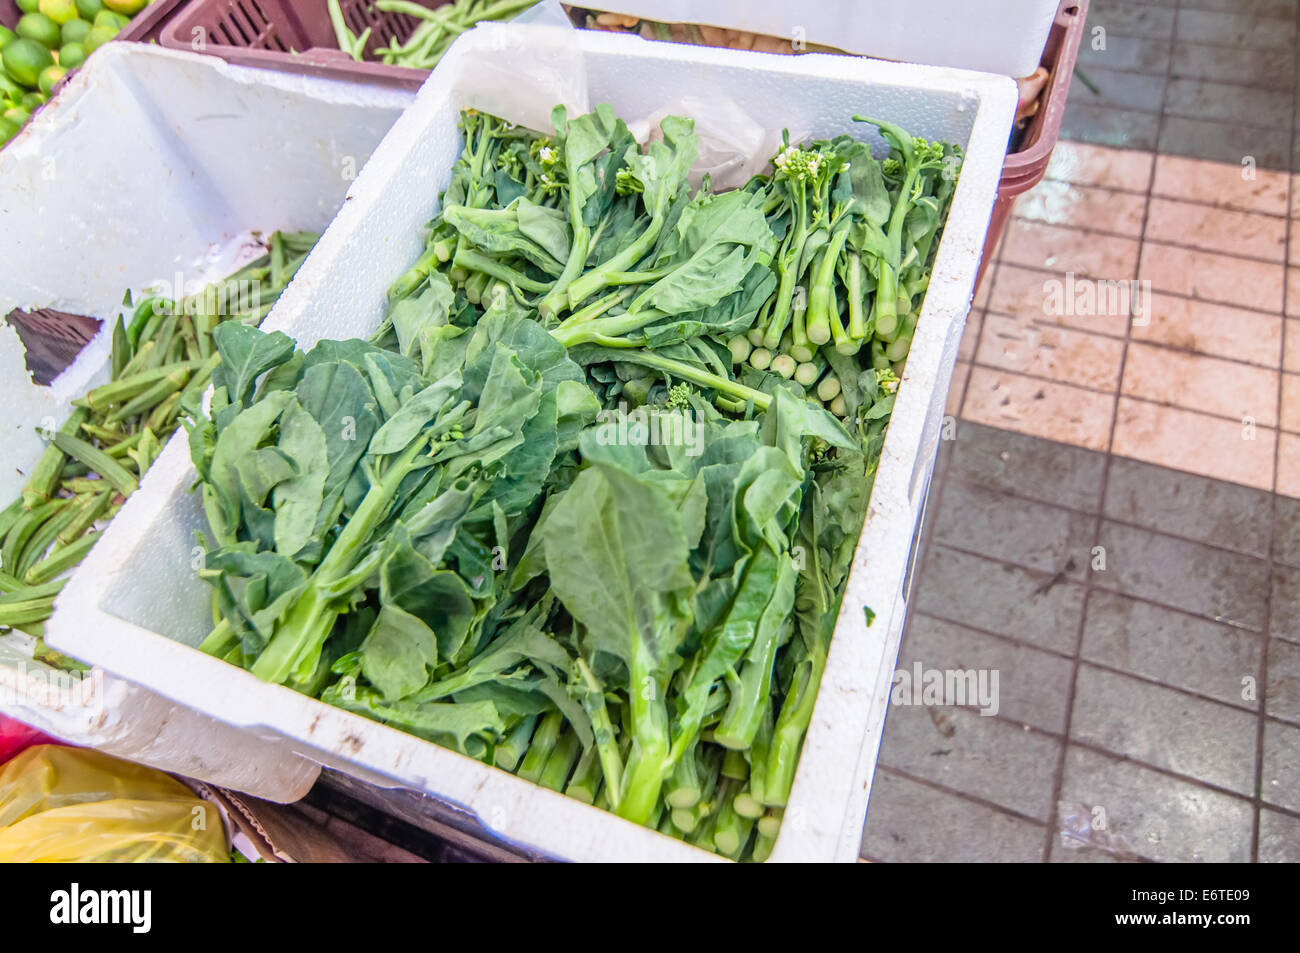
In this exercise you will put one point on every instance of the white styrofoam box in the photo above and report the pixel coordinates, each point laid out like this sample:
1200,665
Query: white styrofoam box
150,163
997,36
145,630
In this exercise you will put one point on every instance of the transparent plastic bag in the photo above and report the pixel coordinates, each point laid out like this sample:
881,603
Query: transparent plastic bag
75,804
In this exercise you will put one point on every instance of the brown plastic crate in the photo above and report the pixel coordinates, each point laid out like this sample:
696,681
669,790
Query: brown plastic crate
295,36
1026,167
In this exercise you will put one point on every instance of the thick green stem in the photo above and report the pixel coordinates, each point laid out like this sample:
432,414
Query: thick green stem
295,647
791,725
648,761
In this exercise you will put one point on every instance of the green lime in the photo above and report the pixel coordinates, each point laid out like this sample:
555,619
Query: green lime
97,38
6,35
127,8
60,11
8,129
108,18
29,6
9,89
75,31
88,8
39,27
72,55
17,114
33,101
24,59
49,76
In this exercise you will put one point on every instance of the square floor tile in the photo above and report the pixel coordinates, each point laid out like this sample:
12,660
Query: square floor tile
1178,439
1229,185
1031,686
1032,606
1165,728
1182,504
1033,535
1229,102
1043,470
1279,838
1286,531
1041,408
1217,330
1228,231
1282,695
1218,585
1236,30
1173,648
987,758
1165,376
910,822
1085,164
1041,349
1285,608
1272,68
1281,775
1268,148
1108,126
1162,818
1136,53
1060,203
1197,274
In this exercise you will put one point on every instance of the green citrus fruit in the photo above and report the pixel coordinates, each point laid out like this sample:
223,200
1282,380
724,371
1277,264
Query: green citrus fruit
49,76
127,8
24,59
88,8
75,31
39,27
60,11
72,55
97,38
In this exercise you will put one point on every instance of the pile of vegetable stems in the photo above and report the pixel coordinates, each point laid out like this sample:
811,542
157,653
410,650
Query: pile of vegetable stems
161,358
437,28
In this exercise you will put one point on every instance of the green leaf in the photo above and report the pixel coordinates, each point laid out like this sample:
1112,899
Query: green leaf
416,414
439,597
615,551
297,501
246,354
397,653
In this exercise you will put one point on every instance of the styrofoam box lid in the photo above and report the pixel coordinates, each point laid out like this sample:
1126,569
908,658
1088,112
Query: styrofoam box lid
997,36
146,164
137,606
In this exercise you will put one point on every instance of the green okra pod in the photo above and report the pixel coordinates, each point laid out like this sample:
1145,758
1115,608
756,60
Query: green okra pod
45,477
61,560
22,531
162,419
8,516
146,401
125,388
16,614
119,449
41,540
88,510
121,351
99,461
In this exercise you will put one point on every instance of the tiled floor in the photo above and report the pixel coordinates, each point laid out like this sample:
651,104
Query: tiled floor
1116,527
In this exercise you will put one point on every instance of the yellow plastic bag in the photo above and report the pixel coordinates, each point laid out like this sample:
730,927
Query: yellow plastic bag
75,804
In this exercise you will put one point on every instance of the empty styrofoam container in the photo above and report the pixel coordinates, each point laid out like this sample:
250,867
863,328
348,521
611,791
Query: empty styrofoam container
137,607
999,36
151,163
